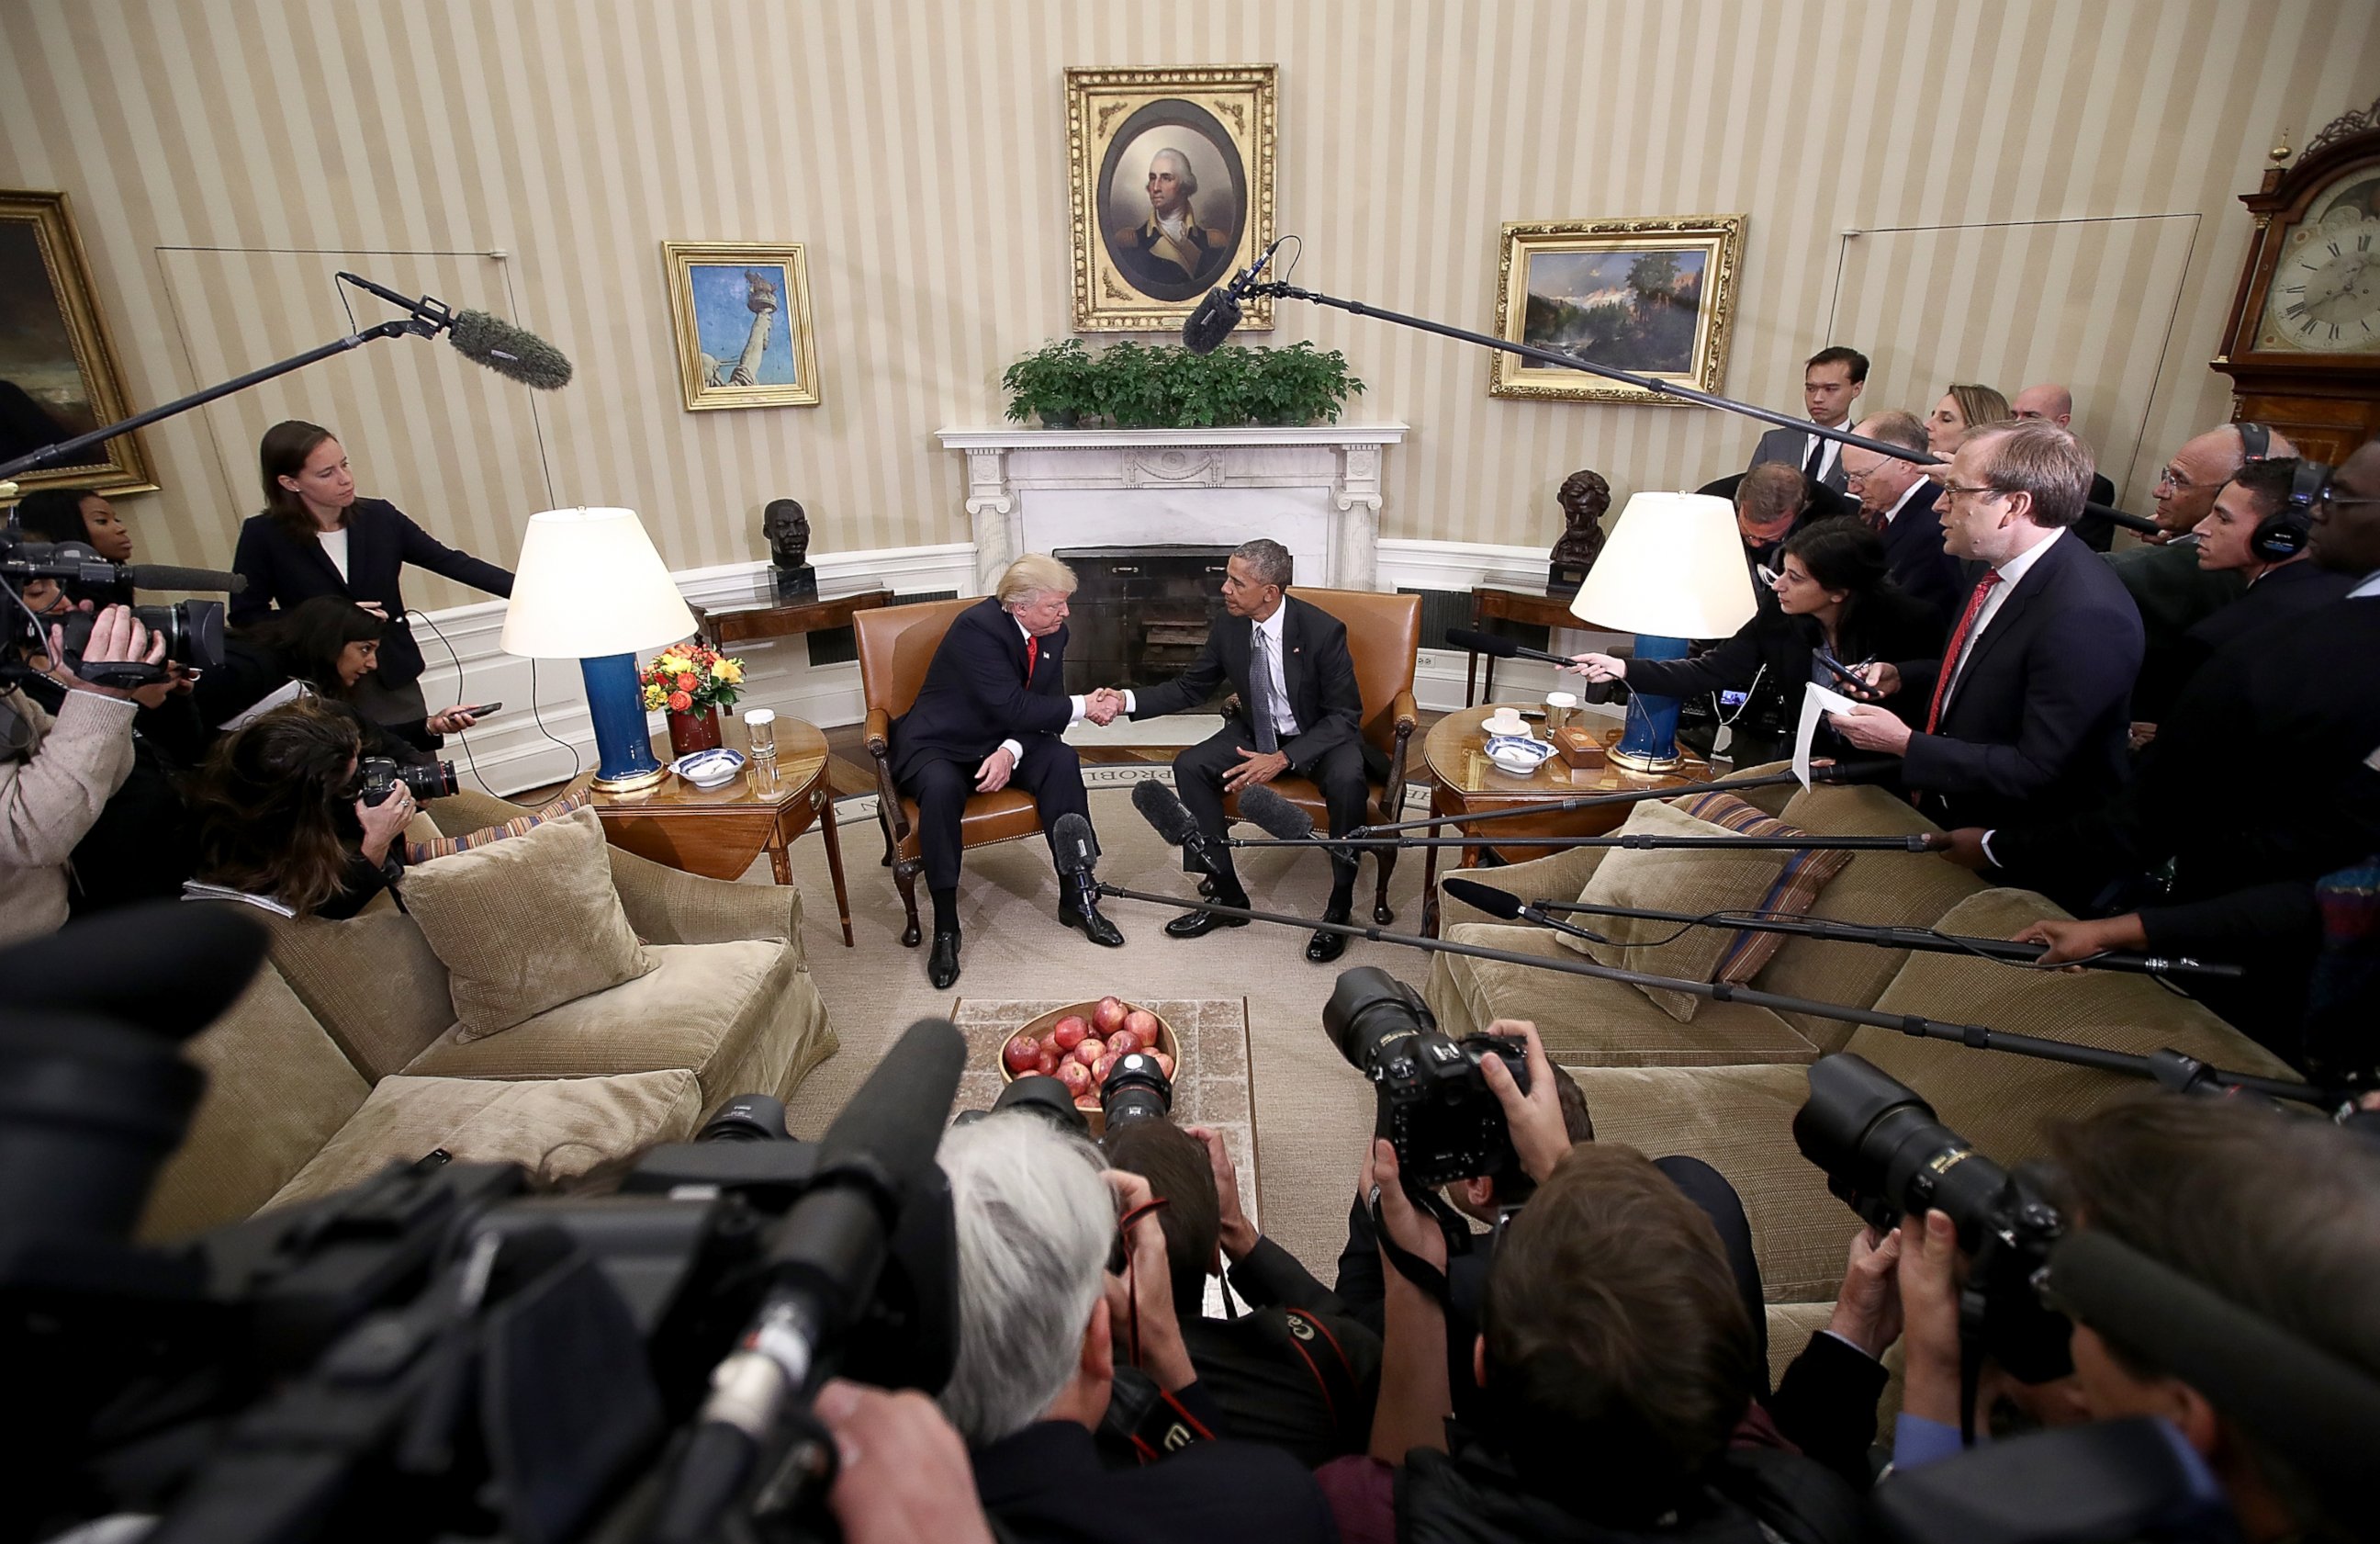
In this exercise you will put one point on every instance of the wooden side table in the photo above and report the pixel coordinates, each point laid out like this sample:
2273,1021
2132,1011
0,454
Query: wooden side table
763,616
1492,602
717,831
1463,782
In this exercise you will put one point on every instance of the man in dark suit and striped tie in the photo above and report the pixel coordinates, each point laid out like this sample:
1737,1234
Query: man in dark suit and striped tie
1831,380
1303,712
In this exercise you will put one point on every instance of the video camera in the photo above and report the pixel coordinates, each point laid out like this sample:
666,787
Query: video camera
1435,1107
436,1352
193,630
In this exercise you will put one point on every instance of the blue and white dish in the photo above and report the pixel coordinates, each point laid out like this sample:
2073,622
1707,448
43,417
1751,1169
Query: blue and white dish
710,768
1518,754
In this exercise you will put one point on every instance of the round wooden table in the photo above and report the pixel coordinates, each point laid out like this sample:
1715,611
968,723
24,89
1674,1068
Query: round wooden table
1463,782
717,831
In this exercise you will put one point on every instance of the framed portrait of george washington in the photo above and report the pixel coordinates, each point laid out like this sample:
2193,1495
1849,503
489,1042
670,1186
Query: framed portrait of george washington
1171,173
742,314
1653,298
58,376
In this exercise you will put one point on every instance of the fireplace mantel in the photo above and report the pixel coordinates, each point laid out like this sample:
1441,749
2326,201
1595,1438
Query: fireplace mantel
1316,491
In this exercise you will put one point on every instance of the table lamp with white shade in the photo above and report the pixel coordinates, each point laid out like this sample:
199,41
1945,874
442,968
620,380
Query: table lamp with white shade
1674,569
590,586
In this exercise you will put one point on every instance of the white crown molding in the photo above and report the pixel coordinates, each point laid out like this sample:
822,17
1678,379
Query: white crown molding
995,438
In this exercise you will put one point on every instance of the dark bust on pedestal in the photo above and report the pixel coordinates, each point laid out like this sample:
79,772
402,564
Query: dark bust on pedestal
788,533
1585,499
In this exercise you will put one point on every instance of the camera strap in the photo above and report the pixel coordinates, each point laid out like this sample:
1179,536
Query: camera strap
1412,1266
1973,1306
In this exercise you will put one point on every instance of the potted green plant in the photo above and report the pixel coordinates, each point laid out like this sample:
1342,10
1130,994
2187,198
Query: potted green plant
1057,380
1299,385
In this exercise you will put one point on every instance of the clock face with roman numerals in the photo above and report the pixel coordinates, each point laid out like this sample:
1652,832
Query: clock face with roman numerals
2326,291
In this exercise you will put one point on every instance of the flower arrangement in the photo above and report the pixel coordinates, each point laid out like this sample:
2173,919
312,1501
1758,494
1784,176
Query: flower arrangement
687,679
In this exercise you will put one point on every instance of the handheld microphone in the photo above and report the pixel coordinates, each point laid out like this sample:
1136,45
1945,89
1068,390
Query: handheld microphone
1175,825
1505,906
512,352
1077,852
1208,326
823,1259
1501,648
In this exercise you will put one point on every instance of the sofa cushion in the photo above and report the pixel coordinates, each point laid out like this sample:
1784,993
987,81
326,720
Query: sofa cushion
277,1089
1691,881
734,1013
1875,889
1799,881
2002,1101
372,980
1740,1121
559,1129
1584,1021
526,925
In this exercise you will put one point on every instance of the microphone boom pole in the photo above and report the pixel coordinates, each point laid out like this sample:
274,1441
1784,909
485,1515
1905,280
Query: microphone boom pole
1633,796
1630,840
2167,1067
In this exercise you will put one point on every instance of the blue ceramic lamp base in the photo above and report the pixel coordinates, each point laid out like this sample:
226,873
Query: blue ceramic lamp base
624,744
1650,742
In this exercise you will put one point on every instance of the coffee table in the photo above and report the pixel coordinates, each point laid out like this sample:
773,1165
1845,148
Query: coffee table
717,831
1463,782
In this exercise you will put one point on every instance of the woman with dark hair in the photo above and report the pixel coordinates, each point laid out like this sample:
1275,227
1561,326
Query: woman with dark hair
1832,593
80,514
330,646
317,537
279,817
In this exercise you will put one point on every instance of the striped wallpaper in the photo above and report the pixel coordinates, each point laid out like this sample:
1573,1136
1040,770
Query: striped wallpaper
2044,188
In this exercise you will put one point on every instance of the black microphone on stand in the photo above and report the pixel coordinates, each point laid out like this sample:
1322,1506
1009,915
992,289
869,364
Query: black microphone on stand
1220,311
1505,906
1078,853
1175,826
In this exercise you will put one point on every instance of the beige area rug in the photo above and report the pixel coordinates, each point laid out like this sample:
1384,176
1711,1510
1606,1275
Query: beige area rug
1312,1111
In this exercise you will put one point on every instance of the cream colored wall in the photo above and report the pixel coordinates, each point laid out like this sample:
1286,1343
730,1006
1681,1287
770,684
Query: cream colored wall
223,156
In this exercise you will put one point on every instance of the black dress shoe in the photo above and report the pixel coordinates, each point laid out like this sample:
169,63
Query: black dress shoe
1199,924
1095,927
942,961
1324,947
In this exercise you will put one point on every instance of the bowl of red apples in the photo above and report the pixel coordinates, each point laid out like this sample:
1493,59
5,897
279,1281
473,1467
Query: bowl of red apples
1077,1044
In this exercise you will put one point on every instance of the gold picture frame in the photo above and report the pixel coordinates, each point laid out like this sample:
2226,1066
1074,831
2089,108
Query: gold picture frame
1132,270
729,353
57,368
1602,288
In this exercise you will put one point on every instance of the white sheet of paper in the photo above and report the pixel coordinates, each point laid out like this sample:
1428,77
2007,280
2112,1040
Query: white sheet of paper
1815,699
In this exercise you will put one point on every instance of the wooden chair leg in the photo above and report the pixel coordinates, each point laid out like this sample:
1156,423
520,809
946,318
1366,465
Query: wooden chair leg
905,875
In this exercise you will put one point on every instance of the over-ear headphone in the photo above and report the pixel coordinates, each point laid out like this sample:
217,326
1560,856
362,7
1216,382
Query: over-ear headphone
2283,534
2255,440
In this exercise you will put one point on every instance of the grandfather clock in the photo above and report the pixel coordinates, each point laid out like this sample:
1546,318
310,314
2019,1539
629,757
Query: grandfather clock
2302,347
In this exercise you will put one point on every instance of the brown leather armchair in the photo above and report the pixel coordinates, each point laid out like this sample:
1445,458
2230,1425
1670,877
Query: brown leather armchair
896,645
1383,637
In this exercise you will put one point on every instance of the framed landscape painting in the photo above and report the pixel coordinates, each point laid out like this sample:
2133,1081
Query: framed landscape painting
1171,174
58,376
1654,298
741,311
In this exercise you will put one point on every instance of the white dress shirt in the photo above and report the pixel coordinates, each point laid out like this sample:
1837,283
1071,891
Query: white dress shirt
1903,502
334,547
2010,573
2368,589
1829,452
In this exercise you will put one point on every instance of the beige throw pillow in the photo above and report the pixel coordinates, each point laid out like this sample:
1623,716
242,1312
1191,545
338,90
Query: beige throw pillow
1687,880
525,924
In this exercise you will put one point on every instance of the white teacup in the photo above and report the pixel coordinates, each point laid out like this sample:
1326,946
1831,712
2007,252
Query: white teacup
1505,721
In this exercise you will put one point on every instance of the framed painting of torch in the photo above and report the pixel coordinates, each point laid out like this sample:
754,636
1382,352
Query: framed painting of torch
742,310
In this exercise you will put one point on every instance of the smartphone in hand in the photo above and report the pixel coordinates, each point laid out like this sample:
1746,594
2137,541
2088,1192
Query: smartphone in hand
484,709
1854,684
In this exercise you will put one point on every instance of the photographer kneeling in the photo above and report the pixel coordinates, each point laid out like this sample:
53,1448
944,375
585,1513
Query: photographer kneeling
56,775
282,818
1042,1325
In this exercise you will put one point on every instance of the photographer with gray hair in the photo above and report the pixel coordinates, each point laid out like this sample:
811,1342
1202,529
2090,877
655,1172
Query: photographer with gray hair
1041,1322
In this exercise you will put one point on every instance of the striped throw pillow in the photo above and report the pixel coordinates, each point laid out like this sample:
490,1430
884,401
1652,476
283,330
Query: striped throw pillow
1794,893
447,847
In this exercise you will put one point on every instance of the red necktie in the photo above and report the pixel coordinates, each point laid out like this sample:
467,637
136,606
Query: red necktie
1032,652
1958,641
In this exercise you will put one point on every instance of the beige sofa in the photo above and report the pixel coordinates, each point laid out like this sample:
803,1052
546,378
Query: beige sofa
344,1055
1724,1086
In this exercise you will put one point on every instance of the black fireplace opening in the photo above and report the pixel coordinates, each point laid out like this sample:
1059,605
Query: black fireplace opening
1140,615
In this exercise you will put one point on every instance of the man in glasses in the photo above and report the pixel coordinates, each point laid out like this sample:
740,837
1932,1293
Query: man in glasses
2173,592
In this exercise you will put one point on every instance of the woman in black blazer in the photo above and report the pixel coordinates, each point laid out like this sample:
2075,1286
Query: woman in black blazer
317,537
1832,590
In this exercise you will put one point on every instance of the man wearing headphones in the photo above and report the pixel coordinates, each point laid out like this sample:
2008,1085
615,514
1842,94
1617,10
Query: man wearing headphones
2260,529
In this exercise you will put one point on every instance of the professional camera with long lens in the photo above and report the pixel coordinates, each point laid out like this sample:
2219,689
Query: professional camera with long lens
1886,1156
1136,1089
193,630
1435,1106
377,777
1035,1095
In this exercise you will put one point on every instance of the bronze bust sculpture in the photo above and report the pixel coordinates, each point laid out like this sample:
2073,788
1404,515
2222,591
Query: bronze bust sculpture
1585,499
788,530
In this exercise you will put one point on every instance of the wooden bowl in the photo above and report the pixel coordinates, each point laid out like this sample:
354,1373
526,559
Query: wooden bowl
1167,1041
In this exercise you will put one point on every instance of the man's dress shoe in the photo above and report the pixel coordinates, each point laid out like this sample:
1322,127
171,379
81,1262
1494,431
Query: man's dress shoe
942,961
1095,927
1199,924
1324,947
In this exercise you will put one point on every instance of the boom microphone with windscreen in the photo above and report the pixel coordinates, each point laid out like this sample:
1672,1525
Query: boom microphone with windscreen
1501,647
1173,824
513,352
